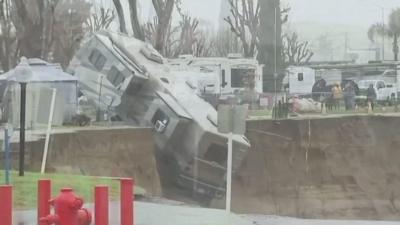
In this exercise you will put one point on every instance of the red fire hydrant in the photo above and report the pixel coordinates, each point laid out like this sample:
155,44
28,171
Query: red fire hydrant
67,210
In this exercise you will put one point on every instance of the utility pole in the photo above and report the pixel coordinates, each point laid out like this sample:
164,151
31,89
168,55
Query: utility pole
383,24
275,56
383,36
346,45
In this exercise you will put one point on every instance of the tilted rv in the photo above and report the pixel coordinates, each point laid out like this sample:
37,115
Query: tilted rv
129,79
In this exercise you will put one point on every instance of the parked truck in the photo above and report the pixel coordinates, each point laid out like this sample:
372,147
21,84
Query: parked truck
385,93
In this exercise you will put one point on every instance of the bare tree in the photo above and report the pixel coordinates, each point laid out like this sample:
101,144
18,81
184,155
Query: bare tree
34,27
188,27
226,42
171,40
204,45
69,30
163,10
121,16
295,51
99,19
7,37
392,30
244,23
138,31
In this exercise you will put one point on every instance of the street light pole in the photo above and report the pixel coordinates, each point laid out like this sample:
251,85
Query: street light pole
229,174
22,75
22,129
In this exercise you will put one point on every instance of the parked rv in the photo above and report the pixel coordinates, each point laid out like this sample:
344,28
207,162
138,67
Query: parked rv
299,80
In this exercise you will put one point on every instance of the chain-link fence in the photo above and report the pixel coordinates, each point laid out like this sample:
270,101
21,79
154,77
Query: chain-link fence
284,105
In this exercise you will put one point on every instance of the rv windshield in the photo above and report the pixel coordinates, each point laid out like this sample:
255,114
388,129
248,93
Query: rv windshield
239,76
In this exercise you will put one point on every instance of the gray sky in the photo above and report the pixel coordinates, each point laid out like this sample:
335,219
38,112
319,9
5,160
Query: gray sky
330,12
350,12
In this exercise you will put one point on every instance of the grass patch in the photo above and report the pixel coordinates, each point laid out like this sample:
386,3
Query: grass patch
25,188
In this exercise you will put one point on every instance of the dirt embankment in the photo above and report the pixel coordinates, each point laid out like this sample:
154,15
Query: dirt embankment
338,168
125,152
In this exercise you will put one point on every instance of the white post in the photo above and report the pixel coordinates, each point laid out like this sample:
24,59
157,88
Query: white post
229,174
46,144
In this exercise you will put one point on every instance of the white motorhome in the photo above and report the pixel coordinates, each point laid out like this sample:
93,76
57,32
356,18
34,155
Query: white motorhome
220,76
299,80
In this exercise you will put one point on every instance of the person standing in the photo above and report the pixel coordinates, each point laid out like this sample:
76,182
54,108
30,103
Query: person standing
337,95
371,96
349,96
316,91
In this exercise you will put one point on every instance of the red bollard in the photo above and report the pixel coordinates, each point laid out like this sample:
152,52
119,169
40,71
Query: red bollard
6,205
127,199
101,205
44,196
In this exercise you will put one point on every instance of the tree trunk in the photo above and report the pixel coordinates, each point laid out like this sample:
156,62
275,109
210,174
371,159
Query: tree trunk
28,30
121,17
163,10
137,29
267,54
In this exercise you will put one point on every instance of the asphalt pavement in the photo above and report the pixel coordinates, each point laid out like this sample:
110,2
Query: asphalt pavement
163,214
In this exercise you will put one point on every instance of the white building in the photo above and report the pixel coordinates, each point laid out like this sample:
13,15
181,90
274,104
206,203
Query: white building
44,77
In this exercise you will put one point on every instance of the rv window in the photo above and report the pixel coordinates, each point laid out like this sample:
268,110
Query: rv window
160,119
239,77
97,59
115,76
300,76
216,153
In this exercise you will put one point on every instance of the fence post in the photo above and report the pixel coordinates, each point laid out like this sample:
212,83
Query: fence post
6,204
101,207
44,195
127,199
7,158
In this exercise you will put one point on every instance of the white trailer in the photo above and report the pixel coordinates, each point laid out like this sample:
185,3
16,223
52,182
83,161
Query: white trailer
299,80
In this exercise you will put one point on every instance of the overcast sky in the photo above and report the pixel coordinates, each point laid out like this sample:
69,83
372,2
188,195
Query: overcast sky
330,12
350,12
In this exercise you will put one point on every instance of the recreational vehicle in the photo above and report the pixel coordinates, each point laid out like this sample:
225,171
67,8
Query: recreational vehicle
133,79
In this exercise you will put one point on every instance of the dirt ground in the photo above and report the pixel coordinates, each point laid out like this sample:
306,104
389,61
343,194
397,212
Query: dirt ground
332,168
117,152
